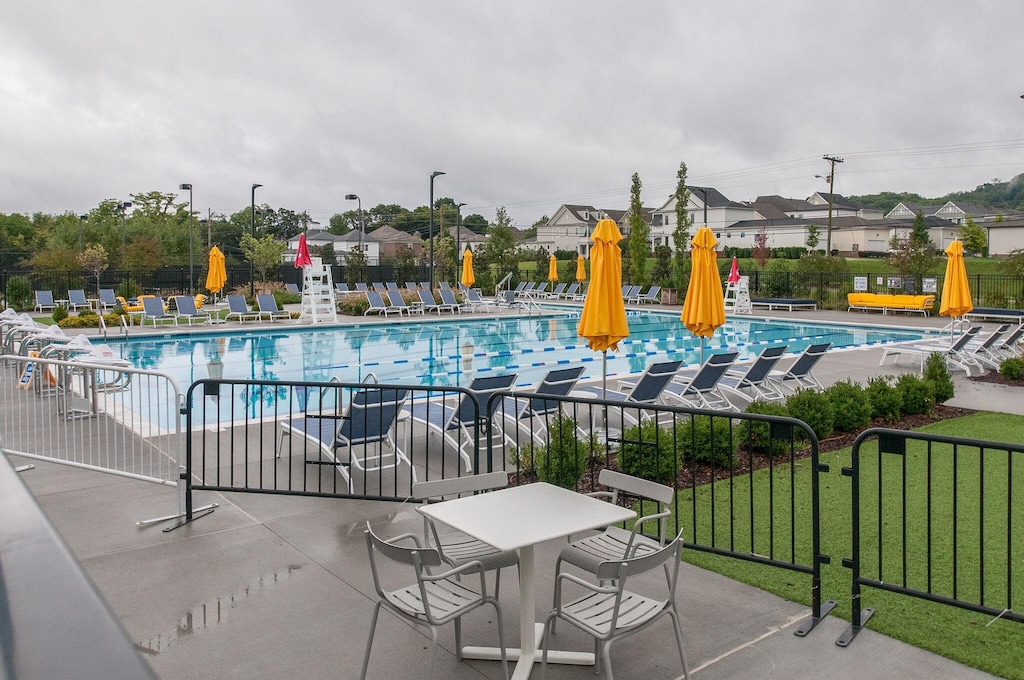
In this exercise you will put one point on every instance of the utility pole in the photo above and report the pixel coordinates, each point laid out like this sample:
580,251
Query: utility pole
831,184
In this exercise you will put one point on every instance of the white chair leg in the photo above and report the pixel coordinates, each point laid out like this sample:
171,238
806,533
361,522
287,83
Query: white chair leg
369,642
679,642
501,637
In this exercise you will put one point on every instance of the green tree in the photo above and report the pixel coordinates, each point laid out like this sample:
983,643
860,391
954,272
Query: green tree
909,257
1014,263
326,253
919,231
264,252
342,223
638,243
813,237
94,260
662,272
477,223
145,254
681,233
355,268
762,249
500,249
974,237
405,263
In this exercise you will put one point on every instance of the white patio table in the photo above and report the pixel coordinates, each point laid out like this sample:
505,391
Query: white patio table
518,518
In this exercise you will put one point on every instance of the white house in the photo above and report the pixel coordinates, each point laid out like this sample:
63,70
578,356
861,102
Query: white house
341,244
721,213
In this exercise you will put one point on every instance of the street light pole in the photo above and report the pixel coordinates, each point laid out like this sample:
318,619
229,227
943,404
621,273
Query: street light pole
458,231
81,221
431,222
191,242
252,233
362,226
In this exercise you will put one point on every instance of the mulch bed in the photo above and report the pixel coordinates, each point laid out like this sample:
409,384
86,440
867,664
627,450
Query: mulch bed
995,378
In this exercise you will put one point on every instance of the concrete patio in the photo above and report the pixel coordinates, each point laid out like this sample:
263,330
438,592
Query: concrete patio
279,587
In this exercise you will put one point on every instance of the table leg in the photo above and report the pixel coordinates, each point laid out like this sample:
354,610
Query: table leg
530,632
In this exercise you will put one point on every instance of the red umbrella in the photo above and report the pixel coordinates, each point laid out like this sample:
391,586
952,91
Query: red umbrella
734,273
302,258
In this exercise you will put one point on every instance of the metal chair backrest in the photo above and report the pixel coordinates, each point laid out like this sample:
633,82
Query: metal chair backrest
620,482
412,286
107,296
454,486
186,305
652,383
990,340
480,391
711,372
427,298
153,306
964,338
395,299
391,285
573,289
808,359
425,285
763,365
267,302
558,383
292,288
448,297
444,285
341,287
76,297
621,570
519,288
44,298
360,287
370,416
652,294
558,289
237,304
375,299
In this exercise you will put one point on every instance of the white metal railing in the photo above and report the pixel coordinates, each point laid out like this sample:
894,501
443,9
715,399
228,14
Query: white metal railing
104,416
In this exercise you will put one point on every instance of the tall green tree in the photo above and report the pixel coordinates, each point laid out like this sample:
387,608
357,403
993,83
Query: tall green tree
264,252
681,233
638,244
919,231
974,237
813,237
500,250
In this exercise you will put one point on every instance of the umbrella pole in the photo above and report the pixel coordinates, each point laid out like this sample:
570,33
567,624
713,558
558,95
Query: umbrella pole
702,341
604,375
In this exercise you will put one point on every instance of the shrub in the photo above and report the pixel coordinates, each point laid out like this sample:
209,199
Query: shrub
19,293
916,394
937,373
815,409
1011,369
706,439
648,452
60,313
850,405
885,400
79,322
757,433
128,289
564,459
353,305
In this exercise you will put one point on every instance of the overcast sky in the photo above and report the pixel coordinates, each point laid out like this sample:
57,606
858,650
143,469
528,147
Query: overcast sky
527,104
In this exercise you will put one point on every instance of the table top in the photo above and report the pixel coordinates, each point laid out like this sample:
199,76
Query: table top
519,516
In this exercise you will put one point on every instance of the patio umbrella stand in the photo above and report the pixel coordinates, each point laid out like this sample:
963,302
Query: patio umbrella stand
603,320
704,307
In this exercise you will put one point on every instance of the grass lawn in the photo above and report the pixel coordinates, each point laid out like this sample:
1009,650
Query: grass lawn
971,638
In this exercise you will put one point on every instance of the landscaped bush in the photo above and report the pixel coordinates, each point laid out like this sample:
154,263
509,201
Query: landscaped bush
19,293
564,459
815,409
937,373
1011,369
850,405
647,452
706,440
60,313
886,401
916,394
353,305
757,433
128,289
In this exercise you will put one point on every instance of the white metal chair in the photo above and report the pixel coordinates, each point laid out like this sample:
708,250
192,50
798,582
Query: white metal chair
432,600
267,305
455,547
77,300
608,612
186,306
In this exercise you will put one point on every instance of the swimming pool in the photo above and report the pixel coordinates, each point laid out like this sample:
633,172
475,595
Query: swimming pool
451,352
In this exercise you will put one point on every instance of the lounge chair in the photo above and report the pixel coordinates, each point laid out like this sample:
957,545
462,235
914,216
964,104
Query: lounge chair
292,288
444,285
187,310
361,288
427,302
448,300
396,301
582,294
153,309
537,292
76,300
132,310
983,352
571,292
267,305
379,287
200,300
44,301
341,287
526,289
425,285
955,352
455,424
1010,347
699,388
378,306
651,296
474,300
750,382
646,391
107,298
557,292
532,411
799,374
369,420
412,286
238,307
632,293
519,288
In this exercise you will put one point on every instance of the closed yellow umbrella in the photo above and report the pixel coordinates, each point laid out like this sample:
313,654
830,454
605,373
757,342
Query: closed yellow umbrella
704,307
552,269
468,279
603,320
218,275
956,292
581,269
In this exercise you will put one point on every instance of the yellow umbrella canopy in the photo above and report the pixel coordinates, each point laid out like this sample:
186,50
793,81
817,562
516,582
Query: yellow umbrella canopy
217,275
956,292
552,269
468,279
704,308
603,320
581,269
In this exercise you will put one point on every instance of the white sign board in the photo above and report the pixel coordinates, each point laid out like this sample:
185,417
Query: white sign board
929,285
860,284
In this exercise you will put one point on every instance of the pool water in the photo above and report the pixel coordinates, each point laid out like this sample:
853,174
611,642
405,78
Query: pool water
452,352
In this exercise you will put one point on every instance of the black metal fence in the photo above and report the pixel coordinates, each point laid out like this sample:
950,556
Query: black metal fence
373,441
939,518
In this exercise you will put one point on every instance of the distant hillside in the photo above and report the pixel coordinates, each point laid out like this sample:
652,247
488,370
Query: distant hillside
994,194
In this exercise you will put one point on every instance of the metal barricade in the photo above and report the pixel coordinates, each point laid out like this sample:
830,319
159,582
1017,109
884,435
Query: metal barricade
937,518
99,416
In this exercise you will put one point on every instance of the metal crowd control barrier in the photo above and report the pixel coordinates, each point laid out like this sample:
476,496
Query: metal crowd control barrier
938,518
353,440
98,416
770,517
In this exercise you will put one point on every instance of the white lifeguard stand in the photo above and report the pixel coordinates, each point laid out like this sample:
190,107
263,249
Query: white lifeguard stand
318,304
737,296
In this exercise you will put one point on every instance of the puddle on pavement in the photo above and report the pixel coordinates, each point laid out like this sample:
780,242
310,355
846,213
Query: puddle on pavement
214,612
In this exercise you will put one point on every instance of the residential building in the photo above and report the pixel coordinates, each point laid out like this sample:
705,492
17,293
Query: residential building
721,213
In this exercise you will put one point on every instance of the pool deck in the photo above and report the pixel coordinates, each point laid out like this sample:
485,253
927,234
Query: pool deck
279,587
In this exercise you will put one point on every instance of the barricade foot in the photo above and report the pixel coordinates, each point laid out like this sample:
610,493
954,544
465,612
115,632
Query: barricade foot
846,638
808,625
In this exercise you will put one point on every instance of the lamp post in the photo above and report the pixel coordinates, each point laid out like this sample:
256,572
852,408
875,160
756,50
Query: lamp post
191,242
458,231
431,227
122,207
362,225
81,221
252,233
